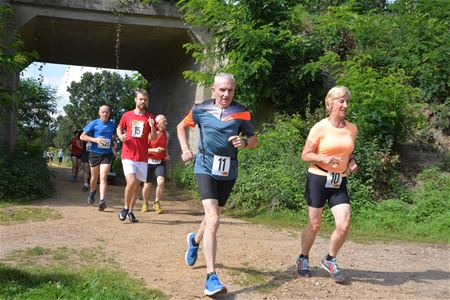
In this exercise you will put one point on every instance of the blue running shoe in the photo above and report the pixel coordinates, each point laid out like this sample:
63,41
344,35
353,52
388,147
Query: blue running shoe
213,286
191,253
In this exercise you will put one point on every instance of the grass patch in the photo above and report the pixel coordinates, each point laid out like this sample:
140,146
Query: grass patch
13,215
65,273
263,281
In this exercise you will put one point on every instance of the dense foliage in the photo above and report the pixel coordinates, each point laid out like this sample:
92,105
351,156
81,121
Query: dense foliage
94,90
392,55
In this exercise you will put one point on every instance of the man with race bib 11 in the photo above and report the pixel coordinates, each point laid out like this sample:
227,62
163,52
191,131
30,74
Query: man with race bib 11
100,133
225,126
136,128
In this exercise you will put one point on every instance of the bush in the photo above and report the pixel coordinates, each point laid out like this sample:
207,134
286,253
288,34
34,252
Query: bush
24,173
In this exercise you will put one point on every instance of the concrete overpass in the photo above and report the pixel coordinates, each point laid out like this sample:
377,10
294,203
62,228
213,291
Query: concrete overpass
100,33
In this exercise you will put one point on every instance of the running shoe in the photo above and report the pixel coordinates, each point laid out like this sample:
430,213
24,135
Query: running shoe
303,267
91,197
102,205
191,253
123,214
85,188
132,218
157,207
144,207
213,286
331,267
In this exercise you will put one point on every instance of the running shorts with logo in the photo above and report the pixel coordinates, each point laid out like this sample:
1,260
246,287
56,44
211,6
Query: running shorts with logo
323,181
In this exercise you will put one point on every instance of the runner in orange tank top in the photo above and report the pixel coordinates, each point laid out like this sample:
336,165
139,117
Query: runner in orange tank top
329,151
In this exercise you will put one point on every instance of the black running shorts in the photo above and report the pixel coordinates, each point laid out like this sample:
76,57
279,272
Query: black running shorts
211,188
317,194
158,170
96,159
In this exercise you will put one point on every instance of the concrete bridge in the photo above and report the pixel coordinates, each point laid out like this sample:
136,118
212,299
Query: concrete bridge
149,40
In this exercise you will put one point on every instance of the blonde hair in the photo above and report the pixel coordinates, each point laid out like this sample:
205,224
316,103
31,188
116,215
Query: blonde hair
336,93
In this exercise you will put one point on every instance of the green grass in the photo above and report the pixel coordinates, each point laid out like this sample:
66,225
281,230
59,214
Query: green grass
64,273
13,215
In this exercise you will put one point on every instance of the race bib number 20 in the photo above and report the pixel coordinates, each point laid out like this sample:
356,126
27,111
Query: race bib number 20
334,180
137,128
221,165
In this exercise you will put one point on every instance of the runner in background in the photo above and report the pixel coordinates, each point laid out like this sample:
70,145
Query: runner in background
157,157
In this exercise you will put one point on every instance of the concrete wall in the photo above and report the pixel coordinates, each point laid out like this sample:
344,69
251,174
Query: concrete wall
173,96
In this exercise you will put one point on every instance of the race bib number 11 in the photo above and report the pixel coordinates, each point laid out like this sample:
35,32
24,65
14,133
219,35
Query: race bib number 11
334,180
221,165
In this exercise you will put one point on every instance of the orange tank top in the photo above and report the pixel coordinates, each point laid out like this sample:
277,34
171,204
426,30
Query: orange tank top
333,141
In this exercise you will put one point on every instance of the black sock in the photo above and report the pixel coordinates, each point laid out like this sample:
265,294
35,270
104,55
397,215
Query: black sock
195,243
210,274
329,257
303,256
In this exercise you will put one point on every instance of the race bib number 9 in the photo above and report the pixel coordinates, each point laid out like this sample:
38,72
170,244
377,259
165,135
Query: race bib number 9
105,145
154,161
88,146
137,128
334,180
221,165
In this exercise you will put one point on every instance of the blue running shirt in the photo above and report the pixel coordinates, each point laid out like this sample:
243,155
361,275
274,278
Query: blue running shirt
106,130
216,125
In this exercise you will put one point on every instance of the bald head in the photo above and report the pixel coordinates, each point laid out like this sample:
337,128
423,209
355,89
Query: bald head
161,121
104,113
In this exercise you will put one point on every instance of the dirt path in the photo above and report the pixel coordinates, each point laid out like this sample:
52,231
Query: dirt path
153,250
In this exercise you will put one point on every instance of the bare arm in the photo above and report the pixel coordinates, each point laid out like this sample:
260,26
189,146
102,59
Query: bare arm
187,154
122,136
309,155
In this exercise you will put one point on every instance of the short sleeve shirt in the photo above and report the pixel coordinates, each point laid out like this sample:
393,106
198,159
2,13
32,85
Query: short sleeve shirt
333,141
106,130
137,128
216,125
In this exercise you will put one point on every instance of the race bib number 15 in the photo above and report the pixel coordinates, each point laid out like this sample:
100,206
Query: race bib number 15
137,128
221,165
334,180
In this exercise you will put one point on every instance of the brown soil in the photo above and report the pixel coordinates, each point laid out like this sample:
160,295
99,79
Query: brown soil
154,248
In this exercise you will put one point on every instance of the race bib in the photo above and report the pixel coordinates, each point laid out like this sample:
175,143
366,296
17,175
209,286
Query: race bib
154,161
334,180
88,146
221,165
137,128
105,145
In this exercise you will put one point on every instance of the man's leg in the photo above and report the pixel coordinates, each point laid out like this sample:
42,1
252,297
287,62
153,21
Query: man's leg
94,178
159,194
212,222
130,189
74,168
146,190
104,171
85,176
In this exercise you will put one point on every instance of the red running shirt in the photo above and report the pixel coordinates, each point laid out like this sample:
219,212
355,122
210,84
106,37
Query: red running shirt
137,130
160,141
76,146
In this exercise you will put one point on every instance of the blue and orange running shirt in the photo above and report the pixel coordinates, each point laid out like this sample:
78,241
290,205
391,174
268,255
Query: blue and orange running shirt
217,156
